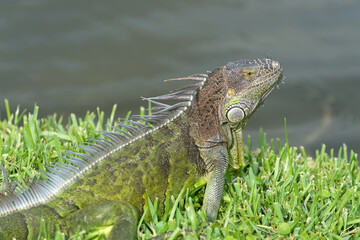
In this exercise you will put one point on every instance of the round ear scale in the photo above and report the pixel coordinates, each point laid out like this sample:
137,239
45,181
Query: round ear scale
235,114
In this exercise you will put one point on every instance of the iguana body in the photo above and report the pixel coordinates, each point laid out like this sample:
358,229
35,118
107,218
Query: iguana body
186,140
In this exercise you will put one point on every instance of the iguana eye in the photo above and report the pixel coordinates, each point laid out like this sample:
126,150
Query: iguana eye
235,115
248,73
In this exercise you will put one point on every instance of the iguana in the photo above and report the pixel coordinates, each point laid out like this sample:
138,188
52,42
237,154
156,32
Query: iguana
155,155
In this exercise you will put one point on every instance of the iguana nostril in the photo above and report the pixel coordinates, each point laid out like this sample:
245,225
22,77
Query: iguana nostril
275,64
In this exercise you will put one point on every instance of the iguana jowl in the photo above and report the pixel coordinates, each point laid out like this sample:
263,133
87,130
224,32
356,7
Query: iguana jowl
157,156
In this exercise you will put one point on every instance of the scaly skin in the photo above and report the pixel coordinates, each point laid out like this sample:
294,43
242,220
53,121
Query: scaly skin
105,184
191,142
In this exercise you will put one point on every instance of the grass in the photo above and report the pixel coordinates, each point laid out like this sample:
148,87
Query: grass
281,193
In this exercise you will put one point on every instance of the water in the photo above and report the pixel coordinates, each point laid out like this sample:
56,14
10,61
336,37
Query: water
72,56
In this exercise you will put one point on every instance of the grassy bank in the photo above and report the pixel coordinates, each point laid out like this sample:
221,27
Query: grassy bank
280,194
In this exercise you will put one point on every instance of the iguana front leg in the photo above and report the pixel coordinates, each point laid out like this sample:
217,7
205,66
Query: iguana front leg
217,160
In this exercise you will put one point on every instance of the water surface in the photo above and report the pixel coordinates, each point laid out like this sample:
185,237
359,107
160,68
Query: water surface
72,56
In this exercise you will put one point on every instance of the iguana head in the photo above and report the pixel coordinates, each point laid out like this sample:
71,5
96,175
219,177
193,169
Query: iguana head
229,97
248,83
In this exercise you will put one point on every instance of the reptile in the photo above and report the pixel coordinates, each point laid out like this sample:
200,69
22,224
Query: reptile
156,155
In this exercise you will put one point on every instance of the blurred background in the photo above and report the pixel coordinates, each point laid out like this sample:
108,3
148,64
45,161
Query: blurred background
73,56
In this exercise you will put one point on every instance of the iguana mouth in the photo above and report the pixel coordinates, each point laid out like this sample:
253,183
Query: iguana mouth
275,84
